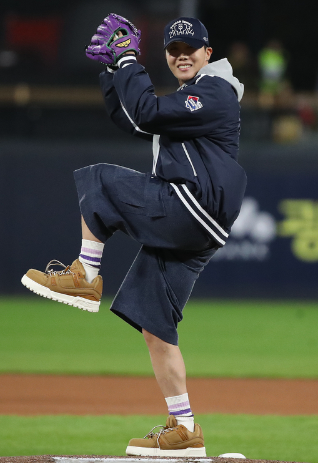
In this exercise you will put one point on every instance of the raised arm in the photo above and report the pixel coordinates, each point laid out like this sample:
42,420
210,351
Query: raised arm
116,110
114,38
193,111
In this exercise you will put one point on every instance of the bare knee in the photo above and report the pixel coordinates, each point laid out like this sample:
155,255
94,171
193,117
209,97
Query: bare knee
150,338
153,342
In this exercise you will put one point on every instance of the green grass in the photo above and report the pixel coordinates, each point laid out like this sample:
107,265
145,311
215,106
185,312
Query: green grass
217,338
291,438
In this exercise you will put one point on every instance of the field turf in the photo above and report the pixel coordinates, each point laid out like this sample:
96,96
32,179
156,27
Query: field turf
218,338
292,438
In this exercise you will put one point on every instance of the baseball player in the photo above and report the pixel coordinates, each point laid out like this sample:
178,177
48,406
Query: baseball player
180,213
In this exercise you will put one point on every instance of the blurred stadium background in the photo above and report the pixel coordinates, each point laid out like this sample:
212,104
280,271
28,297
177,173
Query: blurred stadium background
53,121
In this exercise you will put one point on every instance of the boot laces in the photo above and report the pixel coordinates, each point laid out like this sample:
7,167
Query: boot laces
162,431
65,271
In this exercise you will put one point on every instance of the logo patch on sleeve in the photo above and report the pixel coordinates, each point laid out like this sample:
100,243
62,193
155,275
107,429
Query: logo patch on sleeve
193,103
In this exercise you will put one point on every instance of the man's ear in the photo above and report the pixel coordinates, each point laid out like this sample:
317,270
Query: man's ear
208,52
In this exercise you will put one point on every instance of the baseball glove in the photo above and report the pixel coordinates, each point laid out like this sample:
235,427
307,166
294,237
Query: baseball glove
114,37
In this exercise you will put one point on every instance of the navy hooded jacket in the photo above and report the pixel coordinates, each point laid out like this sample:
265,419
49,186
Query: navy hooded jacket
195,134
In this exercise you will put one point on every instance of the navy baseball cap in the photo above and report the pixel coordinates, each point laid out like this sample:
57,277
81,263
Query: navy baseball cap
188,30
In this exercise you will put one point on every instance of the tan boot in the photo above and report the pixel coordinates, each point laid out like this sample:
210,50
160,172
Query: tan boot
68,285
172,441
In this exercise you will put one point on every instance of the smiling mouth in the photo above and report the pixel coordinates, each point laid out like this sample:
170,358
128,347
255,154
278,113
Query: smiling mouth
184,66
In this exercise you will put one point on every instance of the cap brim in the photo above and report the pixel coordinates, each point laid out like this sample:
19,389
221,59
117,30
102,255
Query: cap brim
195,43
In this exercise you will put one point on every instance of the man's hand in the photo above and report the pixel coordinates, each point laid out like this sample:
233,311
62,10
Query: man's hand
115,37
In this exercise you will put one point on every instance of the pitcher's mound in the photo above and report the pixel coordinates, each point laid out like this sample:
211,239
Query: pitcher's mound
112,459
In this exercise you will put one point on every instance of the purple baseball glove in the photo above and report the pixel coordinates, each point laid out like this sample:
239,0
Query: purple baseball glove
114,37
99,51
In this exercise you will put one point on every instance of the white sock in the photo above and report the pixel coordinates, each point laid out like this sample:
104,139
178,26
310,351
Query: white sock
91,256
179,406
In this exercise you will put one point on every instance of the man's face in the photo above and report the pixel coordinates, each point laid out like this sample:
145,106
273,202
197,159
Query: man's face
185,61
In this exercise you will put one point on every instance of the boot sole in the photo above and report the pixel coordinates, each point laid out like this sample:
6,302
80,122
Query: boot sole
79,302
155,452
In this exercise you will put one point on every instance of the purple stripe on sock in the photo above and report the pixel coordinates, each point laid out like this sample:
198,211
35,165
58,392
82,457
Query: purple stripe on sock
92,251
180,405
92,259
181,412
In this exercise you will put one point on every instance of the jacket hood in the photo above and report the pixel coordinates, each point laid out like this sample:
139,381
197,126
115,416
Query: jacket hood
223,69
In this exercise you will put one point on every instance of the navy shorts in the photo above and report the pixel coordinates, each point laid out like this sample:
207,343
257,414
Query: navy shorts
175,247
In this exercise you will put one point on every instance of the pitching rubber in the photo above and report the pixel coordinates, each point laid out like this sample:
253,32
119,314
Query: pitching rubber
155,452
79,302
232,455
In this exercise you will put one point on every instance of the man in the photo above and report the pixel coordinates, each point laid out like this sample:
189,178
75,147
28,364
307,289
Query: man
181,213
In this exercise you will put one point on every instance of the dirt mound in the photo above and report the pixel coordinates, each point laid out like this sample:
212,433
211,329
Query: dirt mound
100,395
110,459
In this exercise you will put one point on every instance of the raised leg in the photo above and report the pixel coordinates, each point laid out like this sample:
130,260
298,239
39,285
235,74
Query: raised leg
87,234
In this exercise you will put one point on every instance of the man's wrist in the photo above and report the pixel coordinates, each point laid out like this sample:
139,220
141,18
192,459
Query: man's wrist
126,60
